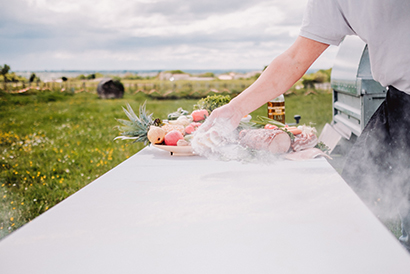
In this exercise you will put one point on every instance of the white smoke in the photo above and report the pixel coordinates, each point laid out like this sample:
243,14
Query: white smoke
381,180
218,140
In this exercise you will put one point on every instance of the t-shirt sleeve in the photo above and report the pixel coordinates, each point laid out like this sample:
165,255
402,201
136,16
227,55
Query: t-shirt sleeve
324,22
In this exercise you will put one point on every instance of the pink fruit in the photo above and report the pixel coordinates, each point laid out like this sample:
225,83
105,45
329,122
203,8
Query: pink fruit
189,129
199,115
195,124
172,137
192,127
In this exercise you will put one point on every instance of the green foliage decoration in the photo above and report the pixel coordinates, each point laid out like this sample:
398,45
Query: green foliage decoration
212,102
136,127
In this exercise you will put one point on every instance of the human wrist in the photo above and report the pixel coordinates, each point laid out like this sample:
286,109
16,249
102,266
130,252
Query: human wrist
240,106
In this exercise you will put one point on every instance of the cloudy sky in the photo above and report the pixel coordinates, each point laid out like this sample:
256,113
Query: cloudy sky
148,34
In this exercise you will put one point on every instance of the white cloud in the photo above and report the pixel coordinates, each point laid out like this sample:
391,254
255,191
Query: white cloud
145,34
54,6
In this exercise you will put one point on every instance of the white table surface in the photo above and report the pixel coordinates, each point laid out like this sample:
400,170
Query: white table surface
157,213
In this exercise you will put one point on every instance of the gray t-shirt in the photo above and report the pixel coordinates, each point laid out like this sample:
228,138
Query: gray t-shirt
382,24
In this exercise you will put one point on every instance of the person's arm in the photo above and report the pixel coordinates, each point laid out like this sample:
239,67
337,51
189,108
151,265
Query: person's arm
278,77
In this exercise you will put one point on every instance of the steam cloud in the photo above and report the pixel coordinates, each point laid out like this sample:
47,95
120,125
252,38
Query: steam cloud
219,141
378,177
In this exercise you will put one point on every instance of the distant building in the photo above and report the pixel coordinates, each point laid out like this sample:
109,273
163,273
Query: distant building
233,75
228,76
168,76
247,75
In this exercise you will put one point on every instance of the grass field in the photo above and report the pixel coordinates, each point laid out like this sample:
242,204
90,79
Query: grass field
52,144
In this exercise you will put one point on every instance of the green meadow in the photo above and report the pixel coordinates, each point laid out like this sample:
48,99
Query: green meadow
54,143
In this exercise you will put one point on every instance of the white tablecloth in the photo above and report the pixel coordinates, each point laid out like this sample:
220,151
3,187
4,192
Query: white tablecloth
157,213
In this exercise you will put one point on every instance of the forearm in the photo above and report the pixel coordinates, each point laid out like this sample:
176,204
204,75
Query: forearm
280,75
274,81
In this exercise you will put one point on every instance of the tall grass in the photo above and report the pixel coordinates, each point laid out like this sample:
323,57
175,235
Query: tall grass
52,144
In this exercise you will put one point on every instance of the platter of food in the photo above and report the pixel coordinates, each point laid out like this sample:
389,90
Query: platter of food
176,150
176,134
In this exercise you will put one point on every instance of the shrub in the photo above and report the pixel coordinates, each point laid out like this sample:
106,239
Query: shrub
212,102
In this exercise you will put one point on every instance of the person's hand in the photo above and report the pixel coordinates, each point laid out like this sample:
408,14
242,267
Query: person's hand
228,115
217,134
